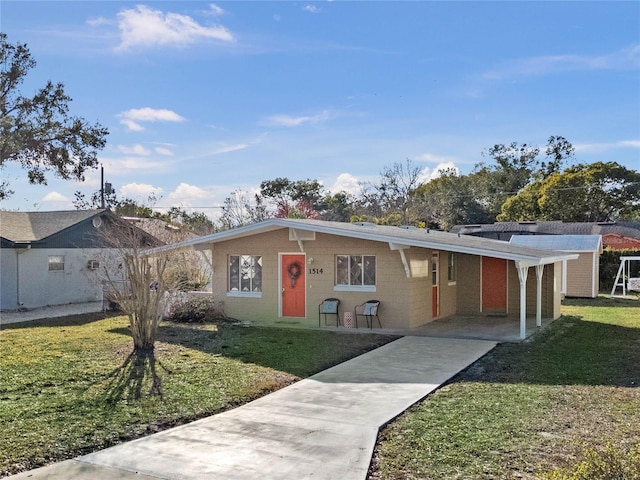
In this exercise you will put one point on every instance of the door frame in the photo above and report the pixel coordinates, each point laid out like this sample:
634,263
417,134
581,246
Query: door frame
281,256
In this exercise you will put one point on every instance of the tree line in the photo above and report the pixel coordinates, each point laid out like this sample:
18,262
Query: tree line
518,182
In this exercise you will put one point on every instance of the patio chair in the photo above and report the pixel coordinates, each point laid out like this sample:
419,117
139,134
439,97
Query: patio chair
368,310
329,306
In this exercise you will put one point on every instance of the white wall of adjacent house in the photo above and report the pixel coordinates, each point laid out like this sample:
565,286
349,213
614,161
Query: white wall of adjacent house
39,277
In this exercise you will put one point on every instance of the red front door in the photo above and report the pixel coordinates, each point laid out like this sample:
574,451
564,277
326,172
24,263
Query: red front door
494,285
292,284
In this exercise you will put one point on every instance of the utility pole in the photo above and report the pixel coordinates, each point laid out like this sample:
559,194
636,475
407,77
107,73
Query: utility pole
101,186
104,188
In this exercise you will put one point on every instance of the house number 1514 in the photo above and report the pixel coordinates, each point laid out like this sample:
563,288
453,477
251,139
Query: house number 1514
315,271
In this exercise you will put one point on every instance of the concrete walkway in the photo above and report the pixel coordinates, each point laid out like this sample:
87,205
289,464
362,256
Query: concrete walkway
322,428
54,311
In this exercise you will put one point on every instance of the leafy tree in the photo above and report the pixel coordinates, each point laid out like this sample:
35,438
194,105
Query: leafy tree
339,207
286,194
196,222
449,200
514,167
596,192
599,192
301,209
38,131
524,206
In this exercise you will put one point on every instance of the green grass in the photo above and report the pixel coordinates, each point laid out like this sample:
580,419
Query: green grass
71,386
526,409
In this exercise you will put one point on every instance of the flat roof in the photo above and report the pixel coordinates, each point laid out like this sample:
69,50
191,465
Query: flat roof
562,243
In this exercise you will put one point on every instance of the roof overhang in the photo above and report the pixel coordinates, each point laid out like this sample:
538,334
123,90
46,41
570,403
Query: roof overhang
406,237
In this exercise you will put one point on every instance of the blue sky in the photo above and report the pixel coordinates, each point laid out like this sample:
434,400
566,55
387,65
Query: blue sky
202,99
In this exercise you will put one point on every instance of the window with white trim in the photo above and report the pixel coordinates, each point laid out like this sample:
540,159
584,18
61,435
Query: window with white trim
356,270
56,263
245,274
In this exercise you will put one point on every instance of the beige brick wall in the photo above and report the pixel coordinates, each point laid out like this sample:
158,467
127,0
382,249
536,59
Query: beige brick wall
406,302
393,288
468,284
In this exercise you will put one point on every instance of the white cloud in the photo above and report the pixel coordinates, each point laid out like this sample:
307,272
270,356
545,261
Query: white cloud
98,21
131,118
215,10
185,193
625,59
290,121
427,174
130,165
55,197
140,192
346,183
136,149
311,9
163,151
604,147
229,148
146,27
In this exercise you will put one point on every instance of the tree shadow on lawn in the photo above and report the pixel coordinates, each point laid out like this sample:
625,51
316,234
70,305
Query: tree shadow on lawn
136,378
570,351
298,352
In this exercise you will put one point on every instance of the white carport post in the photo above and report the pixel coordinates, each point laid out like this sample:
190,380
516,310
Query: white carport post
523,270
539,271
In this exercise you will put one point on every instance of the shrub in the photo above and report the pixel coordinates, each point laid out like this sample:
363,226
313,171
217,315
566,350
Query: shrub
611,464
197,310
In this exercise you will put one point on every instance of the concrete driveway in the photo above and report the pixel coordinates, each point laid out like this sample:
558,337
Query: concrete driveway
322,428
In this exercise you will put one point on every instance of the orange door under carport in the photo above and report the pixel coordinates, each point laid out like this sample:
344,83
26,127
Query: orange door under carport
494,285
292,283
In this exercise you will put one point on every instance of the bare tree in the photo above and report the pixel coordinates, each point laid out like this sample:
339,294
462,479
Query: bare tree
238,211
136,282
392,195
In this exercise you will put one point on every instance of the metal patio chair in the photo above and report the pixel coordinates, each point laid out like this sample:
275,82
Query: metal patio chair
368,310
329,306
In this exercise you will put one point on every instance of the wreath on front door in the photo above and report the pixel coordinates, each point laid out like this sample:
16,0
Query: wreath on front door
294,269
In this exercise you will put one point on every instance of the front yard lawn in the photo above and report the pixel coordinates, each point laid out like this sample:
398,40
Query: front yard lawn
528,408
71,386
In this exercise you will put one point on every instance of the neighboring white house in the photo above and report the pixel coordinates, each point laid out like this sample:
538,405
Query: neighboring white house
580,277
52,258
